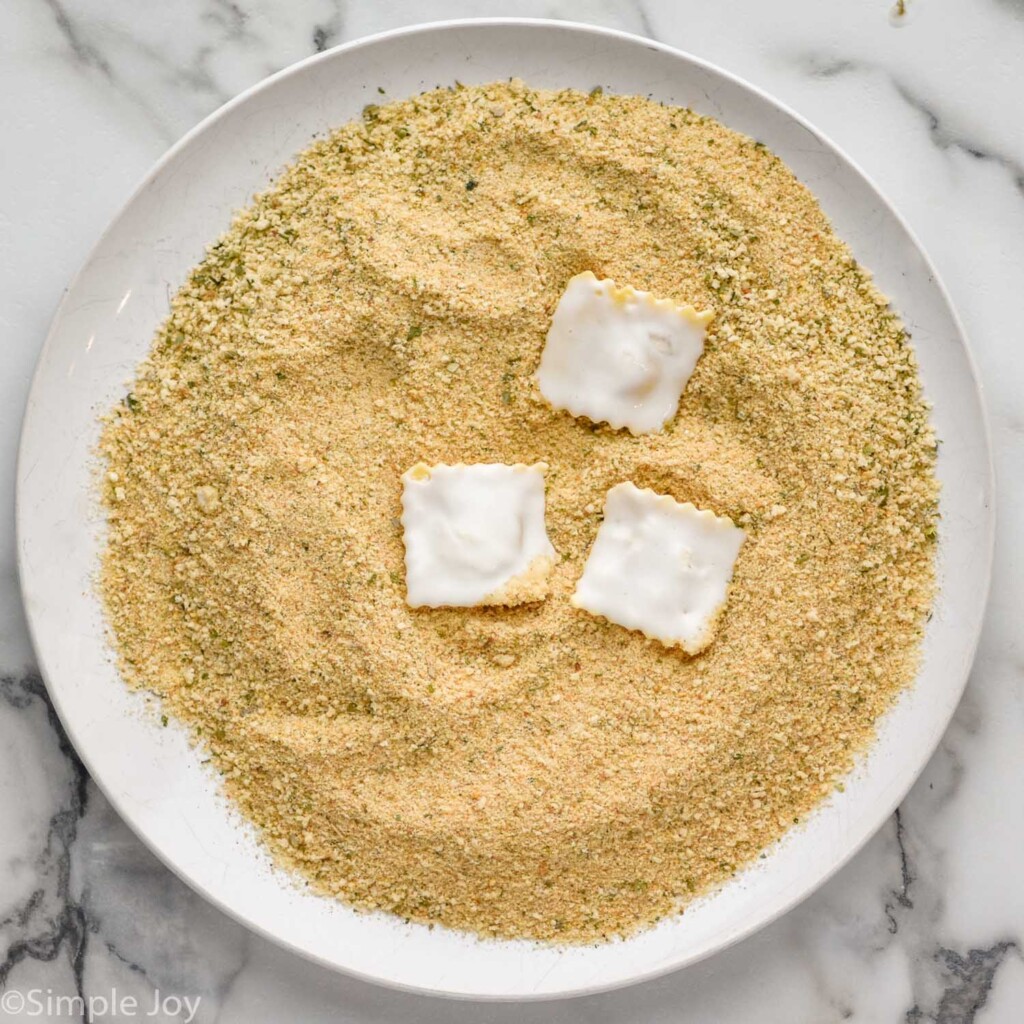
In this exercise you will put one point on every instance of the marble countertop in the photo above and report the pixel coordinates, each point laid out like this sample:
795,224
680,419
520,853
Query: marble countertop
926,924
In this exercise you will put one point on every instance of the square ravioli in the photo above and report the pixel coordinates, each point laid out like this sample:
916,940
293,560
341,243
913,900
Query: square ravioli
475,535
660,567
619,356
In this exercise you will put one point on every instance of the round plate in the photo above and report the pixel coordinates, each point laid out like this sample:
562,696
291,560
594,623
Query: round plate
104,327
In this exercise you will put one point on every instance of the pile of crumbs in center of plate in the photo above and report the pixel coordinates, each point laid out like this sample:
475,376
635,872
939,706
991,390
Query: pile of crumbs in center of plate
530,769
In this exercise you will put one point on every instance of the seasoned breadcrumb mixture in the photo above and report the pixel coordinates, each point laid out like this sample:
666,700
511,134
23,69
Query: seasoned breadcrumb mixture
529,771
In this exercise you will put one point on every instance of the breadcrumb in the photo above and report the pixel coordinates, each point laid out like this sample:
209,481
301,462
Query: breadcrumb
529,771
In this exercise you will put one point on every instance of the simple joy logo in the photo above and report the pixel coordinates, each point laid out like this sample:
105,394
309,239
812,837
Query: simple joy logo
45,1004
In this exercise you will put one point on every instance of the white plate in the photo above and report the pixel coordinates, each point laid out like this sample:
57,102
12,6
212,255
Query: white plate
104,327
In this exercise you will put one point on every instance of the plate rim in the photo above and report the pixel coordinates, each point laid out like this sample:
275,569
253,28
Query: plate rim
988,497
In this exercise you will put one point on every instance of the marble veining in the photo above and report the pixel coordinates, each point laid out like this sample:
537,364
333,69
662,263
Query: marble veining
925,924
940,132
45,921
